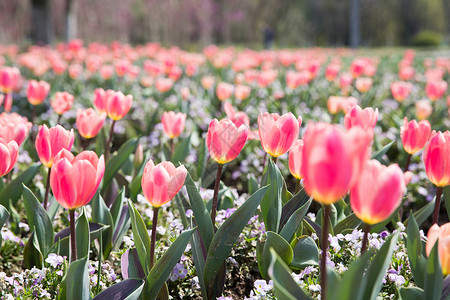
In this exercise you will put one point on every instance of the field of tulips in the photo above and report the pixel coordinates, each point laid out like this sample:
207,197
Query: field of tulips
154,173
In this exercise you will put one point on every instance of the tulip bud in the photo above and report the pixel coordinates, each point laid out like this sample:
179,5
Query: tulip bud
173,123
436,158
414,135
49,142
37,91
9,153
89,123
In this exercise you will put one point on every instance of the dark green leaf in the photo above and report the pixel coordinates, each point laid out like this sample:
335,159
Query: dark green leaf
129,289
32,256
141,238
288,230
306,253
350,222
379,154
181,150
433,276
82,233
410,293
101,214
447,199
422,214
130,265
77,280
417,261
271,204
292,205
353,285
4,214
280,245
14,189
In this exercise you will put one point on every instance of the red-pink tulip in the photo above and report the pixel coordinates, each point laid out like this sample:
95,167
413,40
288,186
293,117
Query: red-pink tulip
37,91
443,234
436,158
365,118
400,90
207,82
378,192
173,123
163,84
278,133
295,159
162,182
75,180
100,99
14,127
436,89
49,142
363,84
332,160
242,92
332,71
62,102
423,109
117,104
238,117
9,153
225,140
89,123
9,78
224,91
414,135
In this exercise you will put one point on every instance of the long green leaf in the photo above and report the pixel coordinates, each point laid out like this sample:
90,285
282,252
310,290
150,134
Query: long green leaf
181,150
410,293
306,253
352,285
447,199
227,235
280,245
101,214
292,205
129,289
162,268
422,214
349,223
14,189
271,205
77,280
294,221
285,285
4,214
417,261
141,238
38,219
82,233
379,154
433,276
32,256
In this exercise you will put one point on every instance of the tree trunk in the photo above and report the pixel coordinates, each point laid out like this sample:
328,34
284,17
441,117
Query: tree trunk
71,20
41,20
355,16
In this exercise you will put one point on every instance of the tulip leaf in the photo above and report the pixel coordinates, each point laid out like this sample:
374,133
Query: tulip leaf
379,154
227,235
288,230
202,160
53,208
417,261
410,293
447,199
4,215
14,189
129,289
334,281
121,227
292,205
130,265
280,245
82,233
38,219
181,150
377,269
201,214
423,213
101,214
285,286
135,186
141,237
77,280
433,276
253,184
32,256
164,266
350,222
199,258
271,205
306,253
446,289
117,161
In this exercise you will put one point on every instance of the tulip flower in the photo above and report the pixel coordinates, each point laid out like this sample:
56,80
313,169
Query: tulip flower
160,184
163,85
414,137
9,79
442,235
49,142
61,102
436,89
423,109
207,82
224,91
332,71
9,153
363,84
376,180
295,162
345,80
74,182
37,91
224,141
173,123
100,99
278,133
14,127
365,118
241,92
89,123
400,90
436,158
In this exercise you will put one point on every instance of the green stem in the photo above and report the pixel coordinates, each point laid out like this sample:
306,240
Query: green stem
437,205
297,186
324,246
216,194
47,188
73,237
153,238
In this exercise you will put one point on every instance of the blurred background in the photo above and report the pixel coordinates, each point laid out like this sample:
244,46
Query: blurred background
192,24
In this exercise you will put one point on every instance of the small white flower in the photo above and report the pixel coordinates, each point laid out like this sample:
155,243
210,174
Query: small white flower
314,287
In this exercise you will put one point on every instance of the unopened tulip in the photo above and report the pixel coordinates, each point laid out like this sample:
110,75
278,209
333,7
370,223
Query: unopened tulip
406,73
173,123
14,127
436,89
295,159
436,158
278,133
332,160
89,123
62,102
225,140
118,105
100,99
207,82
163,85
414,135
37,91
442,235
345,80
400,90
378,192
9,78
423,109
75,180
9,153
49,142
224,91
162,182
332,71
363,84
238,117
242,92
365,118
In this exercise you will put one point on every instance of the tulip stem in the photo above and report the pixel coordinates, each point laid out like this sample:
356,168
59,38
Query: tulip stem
297,186
59,119
108,143
47,188
274,159
324,246
437,205
366,230
172,147
33,114
408,161
153,240
73,237
216,194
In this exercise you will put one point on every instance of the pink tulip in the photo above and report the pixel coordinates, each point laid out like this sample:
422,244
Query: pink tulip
423,109
295,159
436,158
224,91
406,73
332,160
363,84
277,134
117,104
225,140
400,90
356,116
9,78
100,99
49,142
443,234
436,89
162,182
75,180
238,117
163,85
9,153
62,102
332,71
207,82
14,127
173,123
89,123
414,135
37,91
377,192
242,92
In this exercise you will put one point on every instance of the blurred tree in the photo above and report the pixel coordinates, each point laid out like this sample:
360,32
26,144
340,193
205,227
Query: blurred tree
41,22
355,16
71,20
